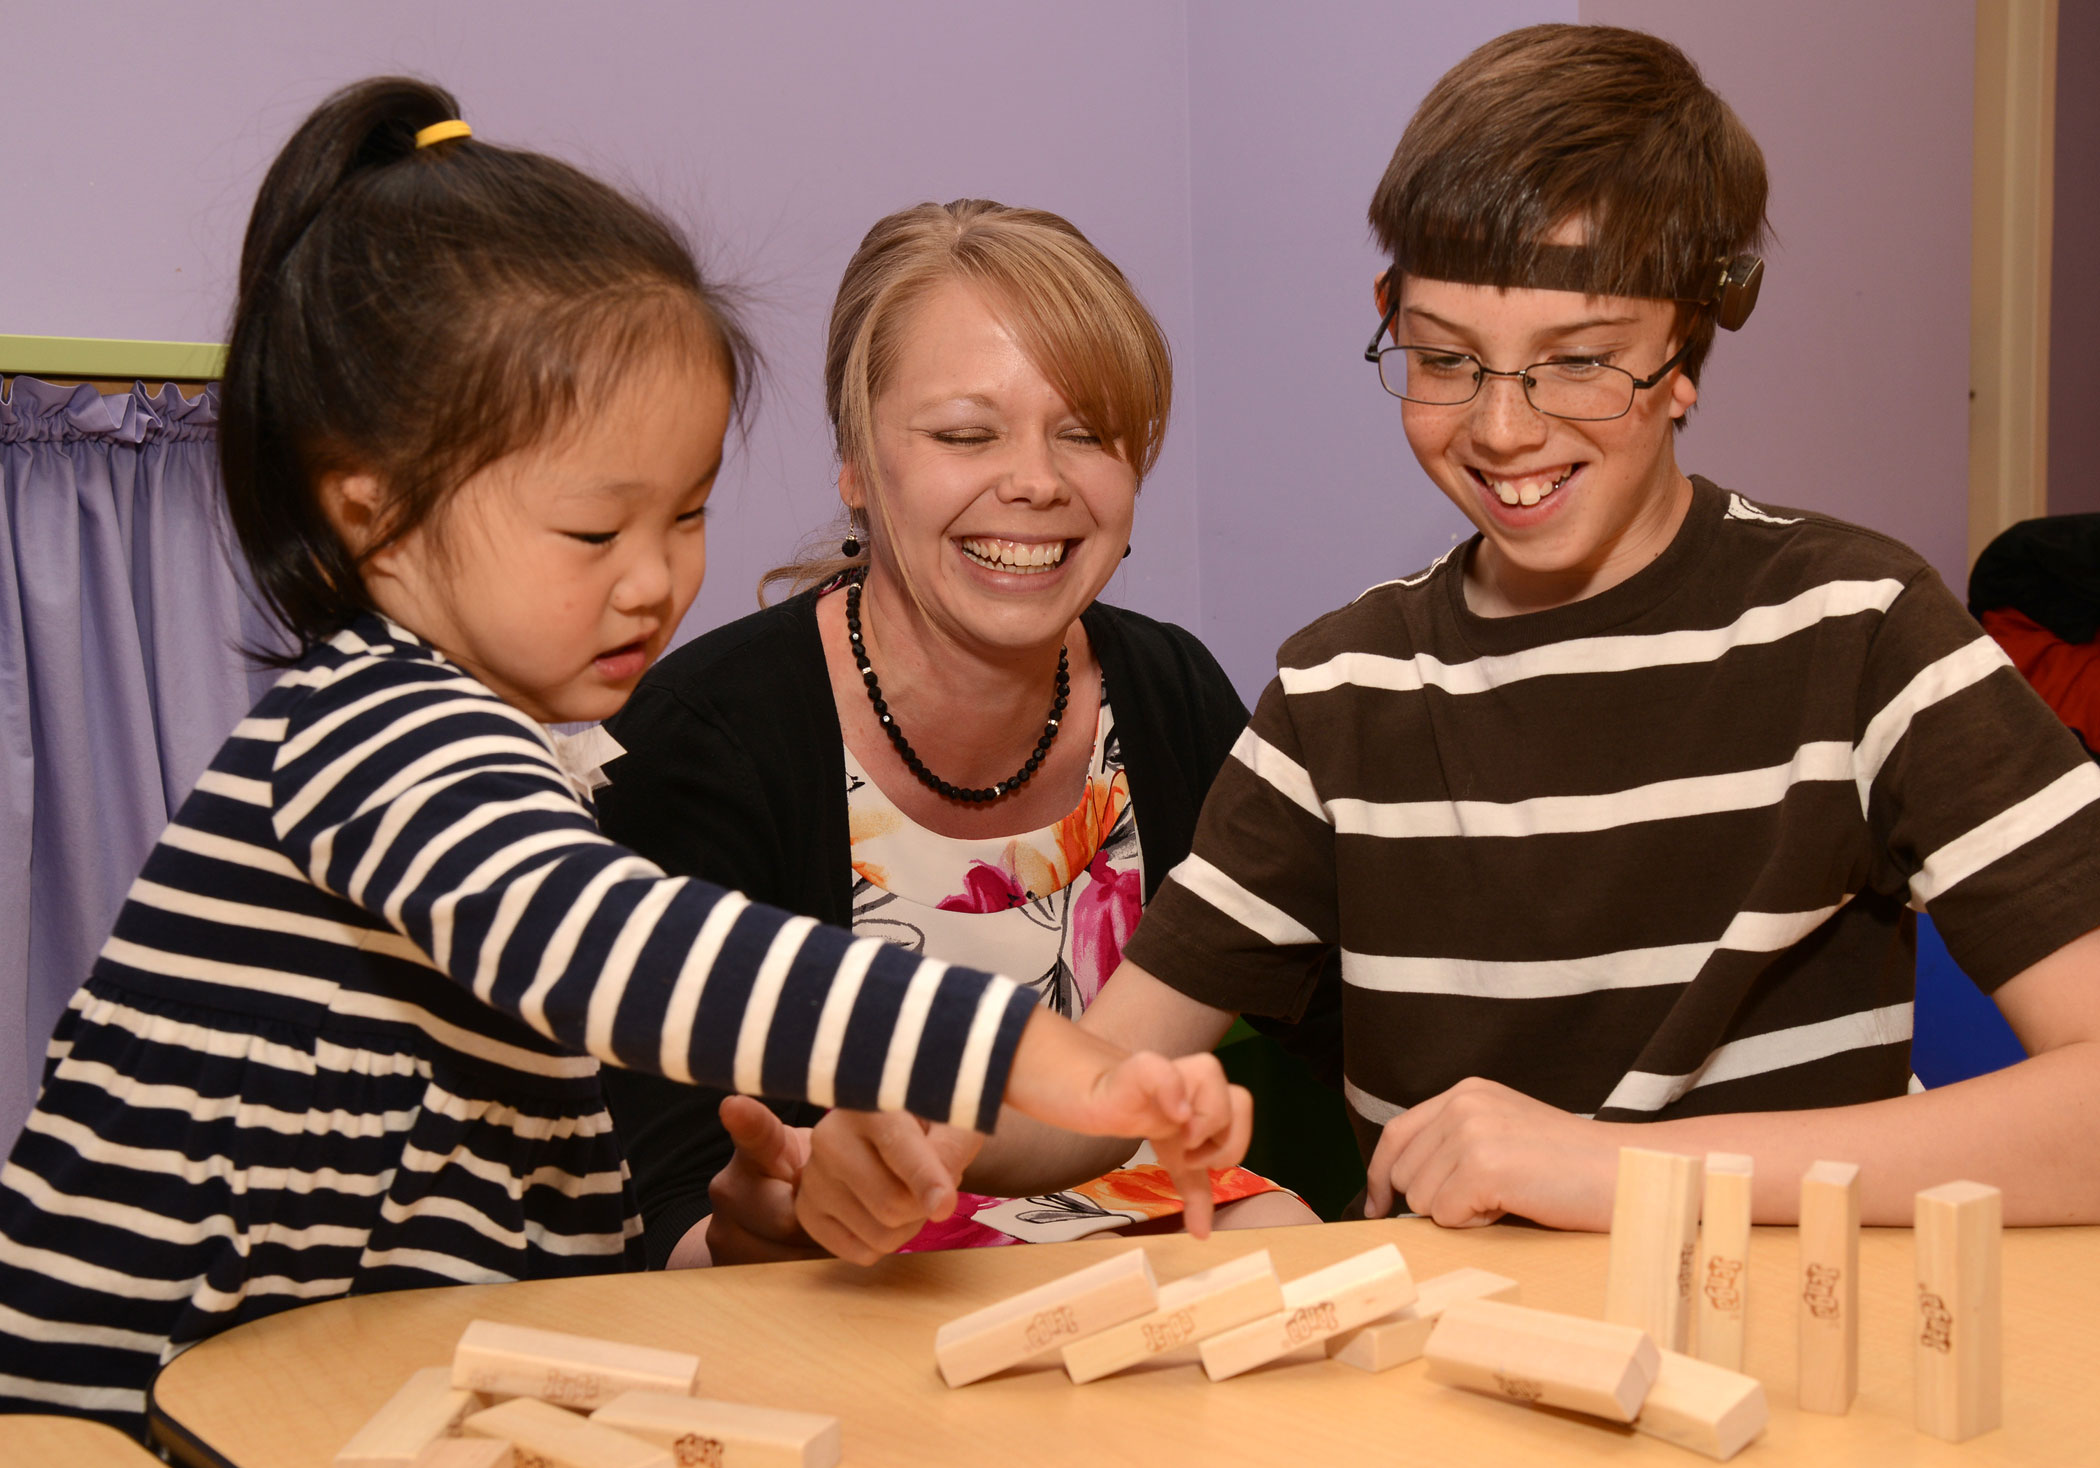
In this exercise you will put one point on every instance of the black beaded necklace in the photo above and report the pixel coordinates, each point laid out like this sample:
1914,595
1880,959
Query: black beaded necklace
911,759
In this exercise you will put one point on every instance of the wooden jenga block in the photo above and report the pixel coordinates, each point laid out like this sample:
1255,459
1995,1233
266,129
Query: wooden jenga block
1654,1234
1707,1408
1722,1277
1399,1337
1315,1306
1829,1287
1190,1309
546,1434
1531,1355
428,1407
1032,1322
724,1434
468,1452
569,1370
1959,1370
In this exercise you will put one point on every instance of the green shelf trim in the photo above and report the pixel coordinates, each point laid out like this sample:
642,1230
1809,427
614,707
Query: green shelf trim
107,357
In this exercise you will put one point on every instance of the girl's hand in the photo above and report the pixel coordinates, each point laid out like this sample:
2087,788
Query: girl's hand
754,1196
875,1178
1480,1150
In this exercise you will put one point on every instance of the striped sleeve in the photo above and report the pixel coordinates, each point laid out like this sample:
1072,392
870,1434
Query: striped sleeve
408,789
1246,920
1982,801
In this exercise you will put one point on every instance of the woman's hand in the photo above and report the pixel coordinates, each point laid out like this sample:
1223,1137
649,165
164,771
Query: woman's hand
875,1178
1480,1150
754,1196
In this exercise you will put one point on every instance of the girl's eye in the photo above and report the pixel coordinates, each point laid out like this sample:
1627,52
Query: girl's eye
592,537
693,516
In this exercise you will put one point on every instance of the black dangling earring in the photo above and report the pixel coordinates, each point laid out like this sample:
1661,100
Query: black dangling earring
1126,552
850,547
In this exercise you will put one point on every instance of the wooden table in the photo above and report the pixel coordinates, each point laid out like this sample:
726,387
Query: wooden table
70,1442
858,1343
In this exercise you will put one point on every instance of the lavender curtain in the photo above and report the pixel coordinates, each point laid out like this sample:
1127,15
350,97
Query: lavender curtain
120,622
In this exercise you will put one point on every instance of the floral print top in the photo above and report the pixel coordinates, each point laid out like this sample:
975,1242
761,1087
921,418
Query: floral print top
1050,907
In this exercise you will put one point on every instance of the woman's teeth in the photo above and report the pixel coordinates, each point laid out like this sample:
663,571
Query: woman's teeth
1024,557
1527,491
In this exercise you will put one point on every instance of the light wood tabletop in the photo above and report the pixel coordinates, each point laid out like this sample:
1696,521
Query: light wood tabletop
286,1392
67,1442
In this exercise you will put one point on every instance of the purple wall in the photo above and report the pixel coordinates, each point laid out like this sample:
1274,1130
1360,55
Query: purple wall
1848,392
2074,287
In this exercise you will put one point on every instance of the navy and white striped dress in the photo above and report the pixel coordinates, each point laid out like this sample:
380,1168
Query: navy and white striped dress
345,1036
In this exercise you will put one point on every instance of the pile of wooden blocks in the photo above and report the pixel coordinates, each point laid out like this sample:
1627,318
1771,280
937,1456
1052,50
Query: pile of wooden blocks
515,1397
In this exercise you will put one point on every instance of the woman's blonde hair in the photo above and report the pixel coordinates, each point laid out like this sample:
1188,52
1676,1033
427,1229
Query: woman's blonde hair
1068,306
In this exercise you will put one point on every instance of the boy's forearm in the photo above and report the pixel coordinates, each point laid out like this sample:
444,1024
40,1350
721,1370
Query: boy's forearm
2032,1130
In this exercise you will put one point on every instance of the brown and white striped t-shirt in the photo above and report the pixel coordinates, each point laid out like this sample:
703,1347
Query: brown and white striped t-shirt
1646,855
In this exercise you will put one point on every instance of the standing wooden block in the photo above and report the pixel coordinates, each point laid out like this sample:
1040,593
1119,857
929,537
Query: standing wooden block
1032,1322
1829,1287
1399,1338
1654,1227
1707,1408
724,1434
1531,1355
1315,1306
468,1452
1189,1310
577,1371
428,1407
1959,1370
1722,1278
546,1434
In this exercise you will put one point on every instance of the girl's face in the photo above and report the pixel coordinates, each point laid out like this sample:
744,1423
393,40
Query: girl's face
557,574
1007,513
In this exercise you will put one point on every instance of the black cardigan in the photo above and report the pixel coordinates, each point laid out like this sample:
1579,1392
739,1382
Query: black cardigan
735,771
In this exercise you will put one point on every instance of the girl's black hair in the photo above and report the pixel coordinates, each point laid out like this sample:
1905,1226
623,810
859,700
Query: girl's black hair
417,314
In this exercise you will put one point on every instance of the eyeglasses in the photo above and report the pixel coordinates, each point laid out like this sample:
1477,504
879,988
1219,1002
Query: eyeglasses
1568,387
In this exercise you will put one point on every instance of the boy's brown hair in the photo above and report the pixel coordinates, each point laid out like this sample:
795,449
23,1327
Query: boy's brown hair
1612,129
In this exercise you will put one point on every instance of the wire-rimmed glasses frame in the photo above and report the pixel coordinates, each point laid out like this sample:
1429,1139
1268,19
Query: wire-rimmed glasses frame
1376,355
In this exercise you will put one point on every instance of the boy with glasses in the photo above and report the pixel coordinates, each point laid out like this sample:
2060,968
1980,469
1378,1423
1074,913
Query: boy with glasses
1617,814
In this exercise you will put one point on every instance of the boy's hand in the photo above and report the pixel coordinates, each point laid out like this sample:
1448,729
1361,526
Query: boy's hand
754,1196
874,1179
1480,1150
1194,1119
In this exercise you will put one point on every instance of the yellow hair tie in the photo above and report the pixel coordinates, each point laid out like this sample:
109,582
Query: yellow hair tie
439,132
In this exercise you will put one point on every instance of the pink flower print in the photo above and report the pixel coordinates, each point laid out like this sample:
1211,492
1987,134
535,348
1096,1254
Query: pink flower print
985,889
1103,917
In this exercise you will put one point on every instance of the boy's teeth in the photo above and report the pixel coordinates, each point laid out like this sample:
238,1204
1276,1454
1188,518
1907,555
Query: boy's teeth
1015,555
1527,491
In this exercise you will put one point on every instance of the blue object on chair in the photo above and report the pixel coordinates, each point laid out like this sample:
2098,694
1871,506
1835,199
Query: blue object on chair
1956,1031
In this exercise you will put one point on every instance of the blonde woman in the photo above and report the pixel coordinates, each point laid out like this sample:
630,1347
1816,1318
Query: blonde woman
942,738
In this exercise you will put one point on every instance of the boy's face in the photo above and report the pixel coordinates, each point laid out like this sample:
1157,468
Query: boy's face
1606,496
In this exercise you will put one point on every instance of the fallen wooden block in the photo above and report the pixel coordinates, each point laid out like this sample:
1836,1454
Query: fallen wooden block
1006,1334
1315,1306
468,1452
1707,1408
1399,1338
428,1407
1190,1309
577,1371
1528,1355
1829,1332
1654,1234
1722,1277
545,1434
724,1434
1959,1380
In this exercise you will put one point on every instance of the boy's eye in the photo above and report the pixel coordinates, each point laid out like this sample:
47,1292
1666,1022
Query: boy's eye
1447,364
1575,369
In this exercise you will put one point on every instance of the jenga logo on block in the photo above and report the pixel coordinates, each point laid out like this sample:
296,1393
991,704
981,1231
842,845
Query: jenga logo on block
695,1451
522,1459
1684,1272
1519,1388
572,1387
1172,1331
1724,1283
1936,1322
1310,1320
1820,1291
1046,1326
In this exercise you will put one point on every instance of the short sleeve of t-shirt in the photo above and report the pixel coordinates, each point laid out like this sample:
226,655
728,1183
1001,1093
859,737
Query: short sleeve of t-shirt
1979,798
1247,919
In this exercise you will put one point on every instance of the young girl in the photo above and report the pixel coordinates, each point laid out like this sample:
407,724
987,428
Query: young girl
346,1034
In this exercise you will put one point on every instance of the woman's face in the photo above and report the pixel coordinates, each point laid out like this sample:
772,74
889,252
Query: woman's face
1005,511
